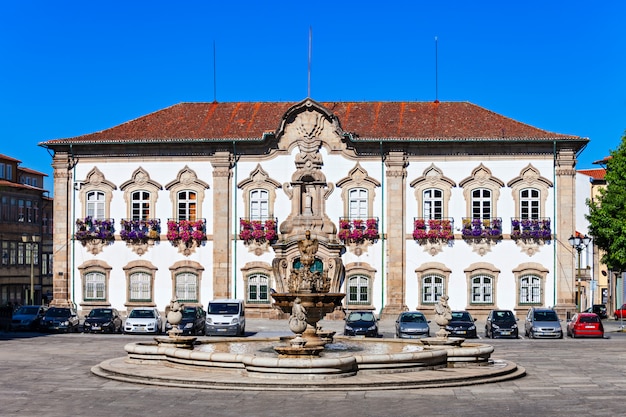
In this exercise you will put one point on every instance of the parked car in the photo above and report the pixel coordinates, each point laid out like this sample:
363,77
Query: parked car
599,309
543,322
27,318
143,320
620,313
361,323
60,319
103,320
501,323
462,324
411,325
225,317
193,321
585,324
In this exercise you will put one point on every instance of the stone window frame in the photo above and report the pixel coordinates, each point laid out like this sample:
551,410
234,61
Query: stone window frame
534,270
191,267
432,178
481,178
258,179
140,181
362,270
96,182
432,269
253,269
487,270
96,266
530,177
358,178
140,266
187,180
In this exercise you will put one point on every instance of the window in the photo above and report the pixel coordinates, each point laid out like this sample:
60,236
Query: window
187,205
530,290
481,203
358,290
2,171
358,203
95,204
258,289
530,200
140,286
5,253
29,211
20,210
482,290
9,172
95,286
187,287
259,204
20,253
432,288
432,204
140,205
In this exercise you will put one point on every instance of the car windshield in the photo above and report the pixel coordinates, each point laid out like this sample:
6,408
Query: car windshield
101,312
503,315
361,316
141,314
461,316
413,318
58,312
223,308
27,310
546,316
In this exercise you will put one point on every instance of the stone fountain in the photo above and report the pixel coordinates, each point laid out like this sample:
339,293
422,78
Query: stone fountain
174,336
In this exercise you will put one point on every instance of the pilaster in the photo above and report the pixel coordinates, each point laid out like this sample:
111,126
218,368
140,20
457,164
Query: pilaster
222,179
61,240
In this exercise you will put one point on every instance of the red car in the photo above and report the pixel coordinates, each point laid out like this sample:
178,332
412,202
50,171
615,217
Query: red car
585,324
620,313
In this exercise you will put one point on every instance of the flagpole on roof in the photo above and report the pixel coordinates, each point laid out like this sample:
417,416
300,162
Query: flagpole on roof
309,66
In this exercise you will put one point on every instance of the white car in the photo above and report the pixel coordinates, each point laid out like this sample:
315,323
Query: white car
144,320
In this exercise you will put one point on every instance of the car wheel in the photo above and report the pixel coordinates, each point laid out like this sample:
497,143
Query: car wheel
531,335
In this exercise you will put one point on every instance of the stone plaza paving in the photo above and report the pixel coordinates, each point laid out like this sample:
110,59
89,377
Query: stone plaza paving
49,375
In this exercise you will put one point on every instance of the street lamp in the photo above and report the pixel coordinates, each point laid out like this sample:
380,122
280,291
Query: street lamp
579,243
30,245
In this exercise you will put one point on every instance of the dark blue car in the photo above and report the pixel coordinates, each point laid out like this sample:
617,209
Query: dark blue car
361,323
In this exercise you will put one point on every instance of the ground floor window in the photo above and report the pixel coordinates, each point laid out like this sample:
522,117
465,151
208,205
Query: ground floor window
140,287
187,287
432,288
482,290
530,290
258,289
95,286
358,290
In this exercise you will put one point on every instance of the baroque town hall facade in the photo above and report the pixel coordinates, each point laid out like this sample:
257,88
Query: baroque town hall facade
408,201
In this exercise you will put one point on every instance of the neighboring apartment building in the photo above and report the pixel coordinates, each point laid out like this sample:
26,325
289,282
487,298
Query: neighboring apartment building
25,235
407,200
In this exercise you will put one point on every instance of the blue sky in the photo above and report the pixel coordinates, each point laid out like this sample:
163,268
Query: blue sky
75,67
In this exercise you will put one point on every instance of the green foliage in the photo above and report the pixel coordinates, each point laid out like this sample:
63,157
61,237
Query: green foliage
607,214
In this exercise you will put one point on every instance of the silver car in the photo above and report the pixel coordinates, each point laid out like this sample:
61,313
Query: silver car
412,325
543,322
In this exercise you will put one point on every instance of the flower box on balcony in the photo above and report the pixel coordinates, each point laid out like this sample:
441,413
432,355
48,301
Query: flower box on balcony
358,230
475,228
90,229
186,231
433,230
531,229
259,231
140,231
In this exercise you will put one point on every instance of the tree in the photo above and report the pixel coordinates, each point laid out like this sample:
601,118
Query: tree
607,215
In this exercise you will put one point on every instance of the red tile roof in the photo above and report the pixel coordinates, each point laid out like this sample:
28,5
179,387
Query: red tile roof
595,173
366,120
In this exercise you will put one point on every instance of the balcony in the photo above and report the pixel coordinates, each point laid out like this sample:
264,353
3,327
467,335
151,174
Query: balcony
357,230
140,231
478,229
531,229
90,230
258,230
433,230
186,232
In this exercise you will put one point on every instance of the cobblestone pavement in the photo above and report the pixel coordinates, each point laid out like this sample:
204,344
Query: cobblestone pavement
49,375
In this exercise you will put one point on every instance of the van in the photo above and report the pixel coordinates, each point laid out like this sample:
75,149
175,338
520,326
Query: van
225,317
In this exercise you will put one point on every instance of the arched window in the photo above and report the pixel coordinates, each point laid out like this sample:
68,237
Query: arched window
481,203
432,288
95,286
358,203
358,290
140,287
259,204
187,205
140,205
482,289
258,289
530,203
187,287
530,289
95,204
432,200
